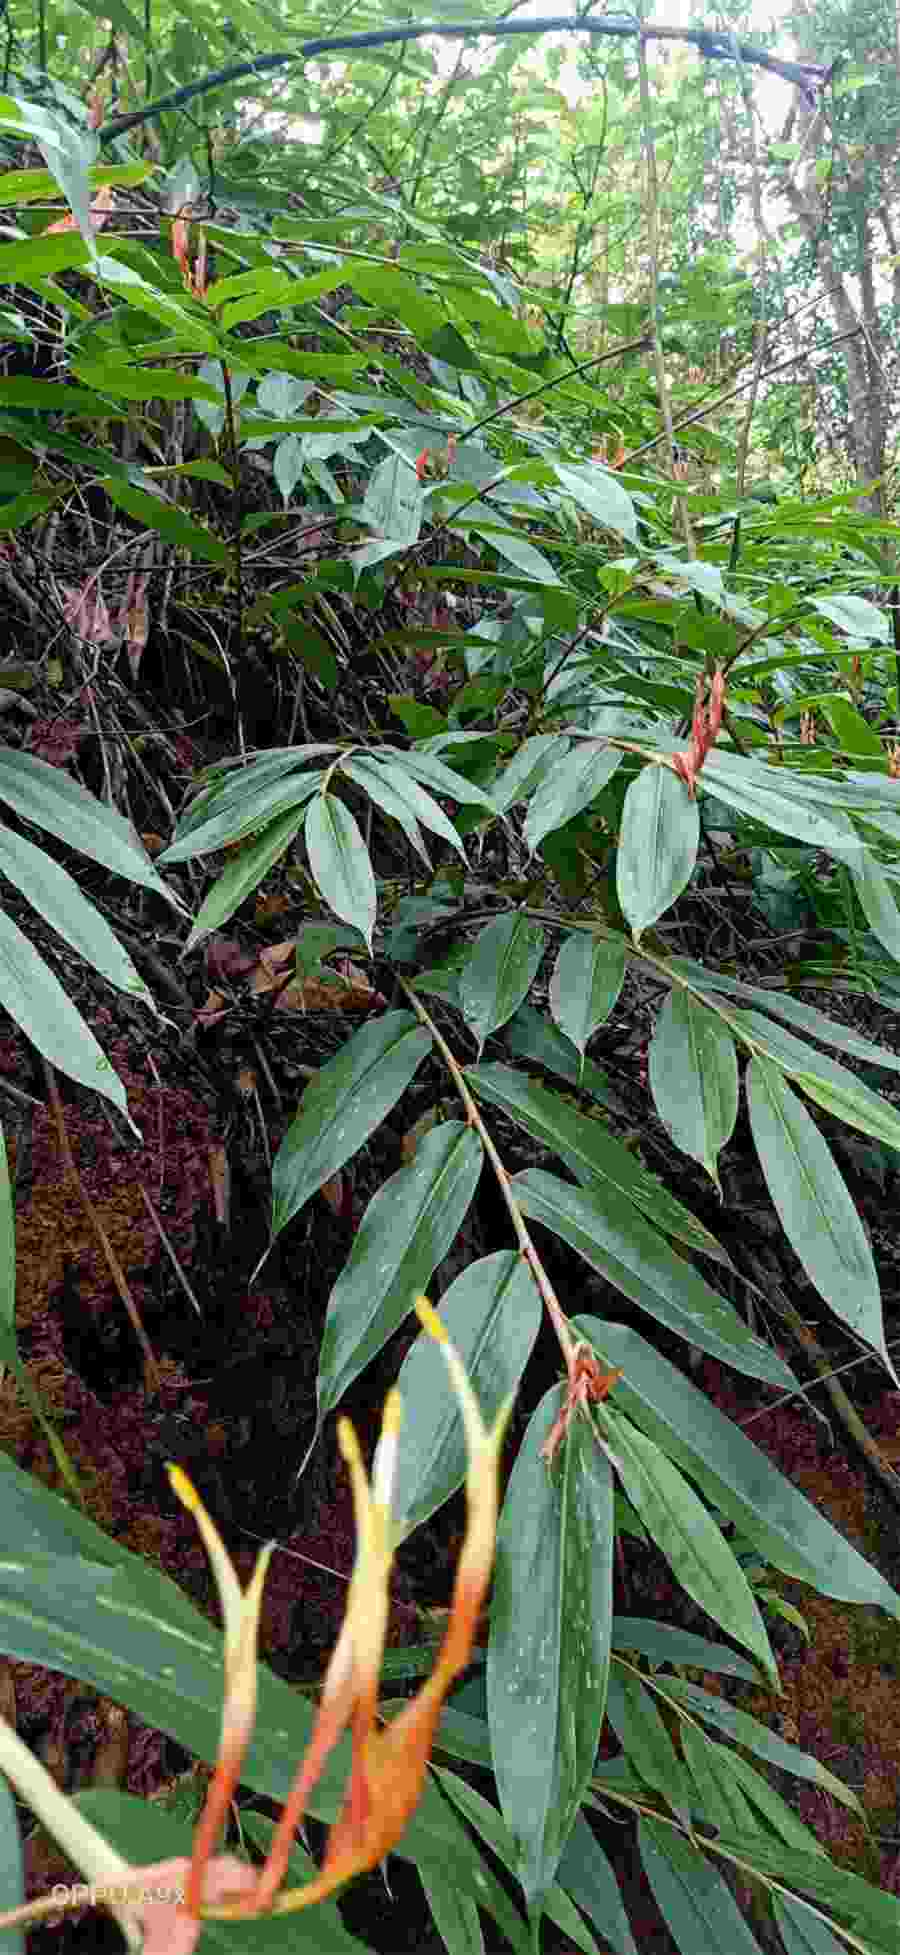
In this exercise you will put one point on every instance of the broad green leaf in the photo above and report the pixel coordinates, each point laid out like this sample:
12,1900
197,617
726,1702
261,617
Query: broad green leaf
634,1717
870,1912
528,768
658,842
56,895
312,650
789,1532
493,1310
455,1915
405,1232
340,864
590,1150
243,801
168,522
802,1932
857,1105
602,496
587,977
853,733
342,1106
393,501
700,1912
441,779
694,1078
780,1817
502,966
854,615
144,383
569,785
783,1004
823,1079
396,790
48,797
753,1736
878,902
12,1870
243,874
625,1250
35,999
492,1828
814,1205
718,1795
685,1532
661,1643
773,795
548,1655
585,1873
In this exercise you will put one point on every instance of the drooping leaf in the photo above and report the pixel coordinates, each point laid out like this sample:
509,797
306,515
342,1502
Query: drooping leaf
502,966
530,1036
636,1721
718,1796
168,522
878,902
735,1477
700,1912
796,1011
396,789
342,1106
685,1532
340,863
243,874
597,491
587,977
855,615
619,1242
658,842
773,795
802,1931
35,999
12,1870
407,1229
585,1873
56,895
548,1655
494,1310
753,1736
814,1205
661,1643
694,1078
48,797
455,1915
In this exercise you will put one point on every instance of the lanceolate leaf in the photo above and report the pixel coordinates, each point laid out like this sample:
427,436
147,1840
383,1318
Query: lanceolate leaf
685,1532
878,902
731,1472
694,1078
391,785
796,1011
586,1874
548,1655
569,785
590,1150
56,895
339,861
774,796
636,1721
342,1106
46,796
620,1244
494,1313
833,1085
814,1204
455,1915
747,1731
169,522
661,1642
587,978
718,1796
802,1931
700,1912
243,874
35,999
406,1230
502,966
12,1870
658,844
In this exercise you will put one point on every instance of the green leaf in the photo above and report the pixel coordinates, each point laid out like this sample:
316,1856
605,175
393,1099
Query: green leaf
339,861
821,1078
442,780
801,1931
773,795
586,981
393,501
313,651
531,1037
685,1532
243,874
393,788
662,1643
658,842
694,1078
748,1732
700,1912
135,383
243,800
35,999
455,1915
853,733
602,496
495,1312
570,784
718,1797
586,1874
528,768
789,1532
56,896
48,797
502,966
12,1870
795,1011
548,1655
854,615
342,1106
406,1231
634,1717
869,1912
168,522
878,902
590,1150
623,1247
488,1823
814,1205
780,1817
